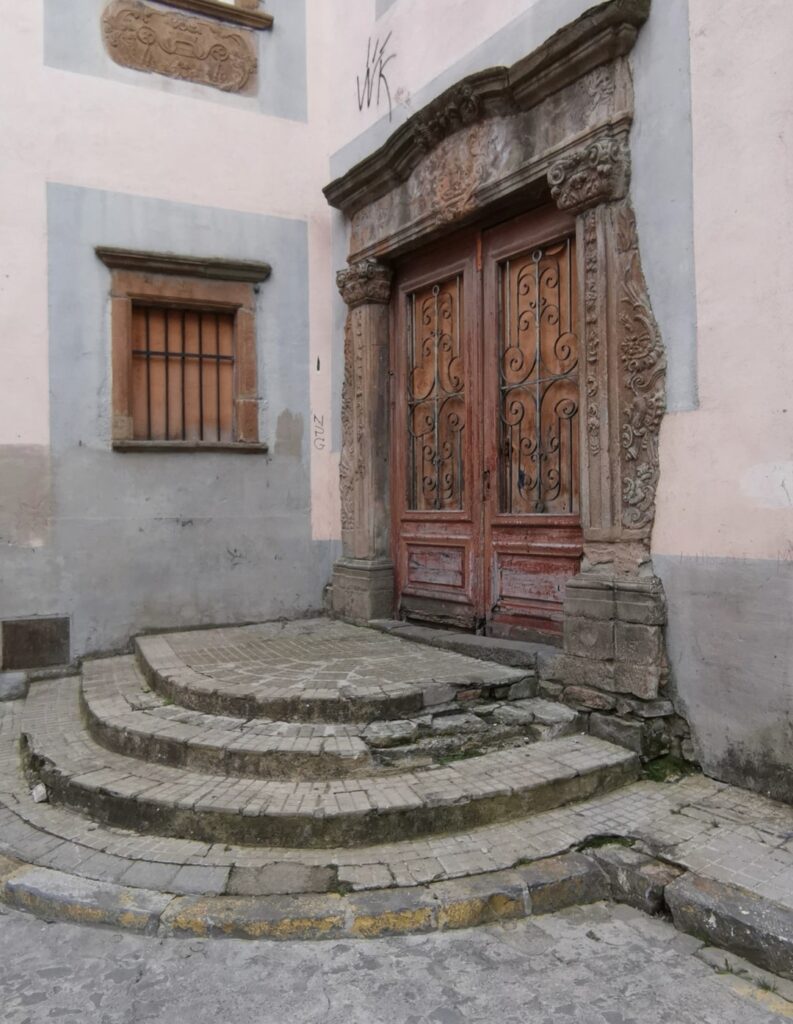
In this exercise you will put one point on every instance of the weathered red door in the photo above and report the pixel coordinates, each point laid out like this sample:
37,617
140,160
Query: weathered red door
437,477
486,429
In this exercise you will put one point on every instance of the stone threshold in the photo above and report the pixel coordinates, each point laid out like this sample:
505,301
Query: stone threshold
515,653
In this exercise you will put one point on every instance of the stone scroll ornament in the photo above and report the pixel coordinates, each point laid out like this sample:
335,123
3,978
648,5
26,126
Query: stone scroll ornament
367,281
178,45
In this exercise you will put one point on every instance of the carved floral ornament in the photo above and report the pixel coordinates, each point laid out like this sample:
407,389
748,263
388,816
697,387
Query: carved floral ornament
367,281
643,380
178,45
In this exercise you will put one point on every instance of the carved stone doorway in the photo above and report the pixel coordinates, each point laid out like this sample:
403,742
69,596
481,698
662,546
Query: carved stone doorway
485,478
553,128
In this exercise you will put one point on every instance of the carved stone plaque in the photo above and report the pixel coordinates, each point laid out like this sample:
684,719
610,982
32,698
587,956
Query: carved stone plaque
182,46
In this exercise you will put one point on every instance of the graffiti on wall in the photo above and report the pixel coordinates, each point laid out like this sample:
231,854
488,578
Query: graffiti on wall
374,85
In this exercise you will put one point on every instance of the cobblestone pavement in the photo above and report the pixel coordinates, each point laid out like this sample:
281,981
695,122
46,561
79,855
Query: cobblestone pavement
594,965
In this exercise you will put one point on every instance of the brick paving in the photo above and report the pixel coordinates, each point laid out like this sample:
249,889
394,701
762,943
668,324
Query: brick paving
503,783
315,667
718,831
127,716
695,822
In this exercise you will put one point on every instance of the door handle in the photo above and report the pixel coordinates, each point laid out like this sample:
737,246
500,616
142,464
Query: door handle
486,484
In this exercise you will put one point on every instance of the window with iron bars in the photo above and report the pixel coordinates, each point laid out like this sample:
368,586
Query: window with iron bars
184,353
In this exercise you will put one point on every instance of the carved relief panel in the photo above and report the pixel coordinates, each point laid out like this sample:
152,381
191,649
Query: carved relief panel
183,46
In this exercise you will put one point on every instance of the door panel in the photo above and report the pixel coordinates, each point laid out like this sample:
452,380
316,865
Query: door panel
532,533
485,480
436,396
436,481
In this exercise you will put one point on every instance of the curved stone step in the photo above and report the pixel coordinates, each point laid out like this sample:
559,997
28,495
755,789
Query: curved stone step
316,671
123,714
160,799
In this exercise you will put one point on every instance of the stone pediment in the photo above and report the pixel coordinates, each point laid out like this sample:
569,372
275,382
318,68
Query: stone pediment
578,52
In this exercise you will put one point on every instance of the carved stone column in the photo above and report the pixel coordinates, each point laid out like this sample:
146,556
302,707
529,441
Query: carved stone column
614,609
363,578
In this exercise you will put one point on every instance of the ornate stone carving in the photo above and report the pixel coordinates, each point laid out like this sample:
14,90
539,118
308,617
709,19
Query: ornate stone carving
452,111
178,45
597,172
600,86
643,385
365,281
348,464
592,331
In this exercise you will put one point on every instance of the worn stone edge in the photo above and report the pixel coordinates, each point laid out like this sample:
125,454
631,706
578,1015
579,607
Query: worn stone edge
541,887
544,886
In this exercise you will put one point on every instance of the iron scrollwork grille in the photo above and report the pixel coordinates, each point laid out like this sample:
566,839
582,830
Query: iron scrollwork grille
538,370
435,397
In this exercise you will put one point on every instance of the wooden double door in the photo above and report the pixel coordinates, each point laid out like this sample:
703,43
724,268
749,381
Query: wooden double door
485,485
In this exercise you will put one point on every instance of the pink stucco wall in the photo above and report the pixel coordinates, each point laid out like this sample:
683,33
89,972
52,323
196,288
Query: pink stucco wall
727,473
727,467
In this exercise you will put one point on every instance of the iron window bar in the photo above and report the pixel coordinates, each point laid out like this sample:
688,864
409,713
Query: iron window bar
202,358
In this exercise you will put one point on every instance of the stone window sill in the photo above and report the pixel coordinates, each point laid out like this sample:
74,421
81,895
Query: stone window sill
244,447
223,12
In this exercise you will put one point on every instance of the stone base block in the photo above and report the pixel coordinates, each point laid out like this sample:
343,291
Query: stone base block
565,881
363,590
604,597
640,601
590,596
586,699
647,738
634,642
636,878
734,918
589,638
638,680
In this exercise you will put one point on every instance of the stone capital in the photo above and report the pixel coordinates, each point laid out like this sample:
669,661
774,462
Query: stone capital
594,173
365,282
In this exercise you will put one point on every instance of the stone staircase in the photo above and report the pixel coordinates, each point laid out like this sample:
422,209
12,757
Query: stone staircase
307,735
315,780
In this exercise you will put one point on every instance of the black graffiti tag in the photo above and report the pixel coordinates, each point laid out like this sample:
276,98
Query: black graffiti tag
376,62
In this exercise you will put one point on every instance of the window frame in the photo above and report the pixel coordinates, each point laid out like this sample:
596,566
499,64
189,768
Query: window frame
225,286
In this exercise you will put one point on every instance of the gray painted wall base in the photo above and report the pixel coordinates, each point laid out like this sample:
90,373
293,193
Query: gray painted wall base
730,646
125,542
